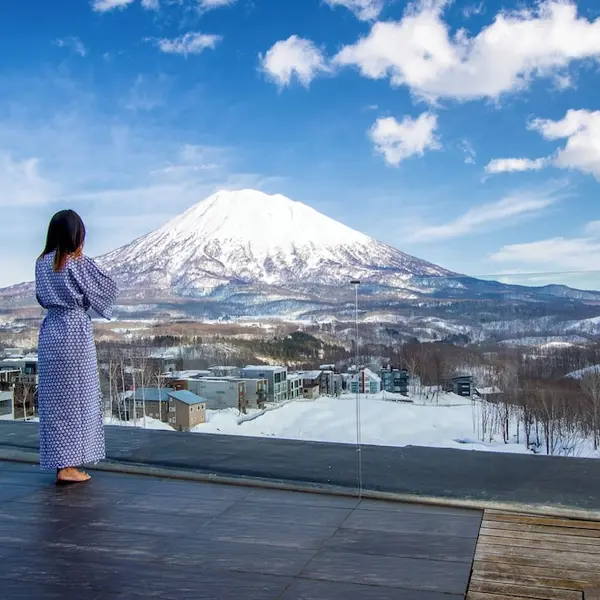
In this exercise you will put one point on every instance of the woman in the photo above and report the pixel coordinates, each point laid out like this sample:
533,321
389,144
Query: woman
69,402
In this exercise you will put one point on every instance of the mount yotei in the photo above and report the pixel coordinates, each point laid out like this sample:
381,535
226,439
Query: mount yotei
249,254
248,238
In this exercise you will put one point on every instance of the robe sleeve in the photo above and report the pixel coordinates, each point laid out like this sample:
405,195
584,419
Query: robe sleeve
99,290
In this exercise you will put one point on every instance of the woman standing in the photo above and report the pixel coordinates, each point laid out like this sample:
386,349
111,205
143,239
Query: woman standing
68,284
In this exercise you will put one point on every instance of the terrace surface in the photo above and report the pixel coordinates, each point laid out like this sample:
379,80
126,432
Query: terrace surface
126,536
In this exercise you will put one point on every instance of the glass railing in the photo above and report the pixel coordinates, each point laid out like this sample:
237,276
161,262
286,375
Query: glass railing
442,364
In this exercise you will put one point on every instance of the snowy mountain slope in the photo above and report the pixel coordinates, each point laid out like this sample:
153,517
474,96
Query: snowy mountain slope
248,237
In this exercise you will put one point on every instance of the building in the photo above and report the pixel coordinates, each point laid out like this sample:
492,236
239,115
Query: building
294,386
6,406
276,377
257,391
154,400
19,374
461,385
181,409
395,381
327,382
224,371
311,384
219,393
223,392
365,382
338,384
186,410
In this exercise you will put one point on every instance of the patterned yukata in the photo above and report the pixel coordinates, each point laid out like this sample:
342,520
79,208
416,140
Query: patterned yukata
69,399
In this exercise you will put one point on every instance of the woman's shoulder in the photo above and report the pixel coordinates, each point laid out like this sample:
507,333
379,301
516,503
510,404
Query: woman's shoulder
80,262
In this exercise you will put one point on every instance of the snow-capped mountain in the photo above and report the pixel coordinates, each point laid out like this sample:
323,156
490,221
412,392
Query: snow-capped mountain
241,254
248,237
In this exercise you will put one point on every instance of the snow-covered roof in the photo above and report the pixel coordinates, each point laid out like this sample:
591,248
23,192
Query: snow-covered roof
189,374
488,391
310,374
264,368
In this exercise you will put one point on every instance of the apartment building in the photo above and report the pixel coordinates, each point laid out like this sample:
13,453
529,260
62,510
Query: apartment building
294,386
276,377
186,410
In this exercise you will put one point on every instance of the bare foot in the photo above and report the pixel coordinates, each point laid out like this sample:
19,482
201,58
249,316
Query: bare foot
72,475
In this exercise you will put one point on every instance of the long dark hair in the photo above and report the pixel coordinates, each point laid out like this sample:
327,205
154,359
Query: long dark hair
66,235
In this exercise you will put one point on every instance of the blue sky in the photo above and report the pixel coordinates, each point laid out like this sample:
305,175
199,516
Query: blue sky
463,132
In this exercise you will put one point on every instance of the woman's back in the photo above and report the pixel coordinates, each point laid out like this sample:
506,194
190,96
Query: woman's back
79,284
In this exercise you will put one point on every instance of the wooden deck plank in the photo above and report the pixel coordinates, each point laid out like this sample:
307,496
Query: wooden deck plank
591,594
537,558
535,576
547,521
528,591
501,536
484,596
525,528
541,544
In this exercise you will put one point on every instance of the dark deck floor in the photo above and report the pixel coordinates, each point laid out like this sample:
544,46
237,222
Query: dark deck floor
122,536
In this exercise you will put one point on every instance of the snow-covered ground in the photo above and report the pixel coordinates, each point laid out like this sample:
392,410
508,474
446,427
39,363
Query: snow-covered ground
449,422
440,421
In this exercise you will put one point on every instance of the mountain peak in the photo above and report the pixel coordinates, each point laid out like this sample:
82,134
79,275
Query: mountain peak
248,236
262,221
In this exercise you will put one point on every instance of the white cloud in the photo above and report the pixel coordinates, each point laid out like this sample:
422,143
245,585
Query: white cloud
419,51
206,5
293,57
581,129
189,43
472,10
21,183
506,165
107,5
467,148
397,141
483,216
73,43
365,10
592,229
557,253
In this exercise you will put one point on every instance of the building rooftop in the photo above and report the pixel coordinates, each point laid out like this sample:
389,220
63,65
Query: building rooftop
187,397
150,394
264,368
188,374
310,374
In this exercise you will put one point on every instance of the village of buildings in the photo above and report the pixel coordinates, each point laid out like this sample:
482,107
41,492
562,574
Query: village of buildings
182,398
